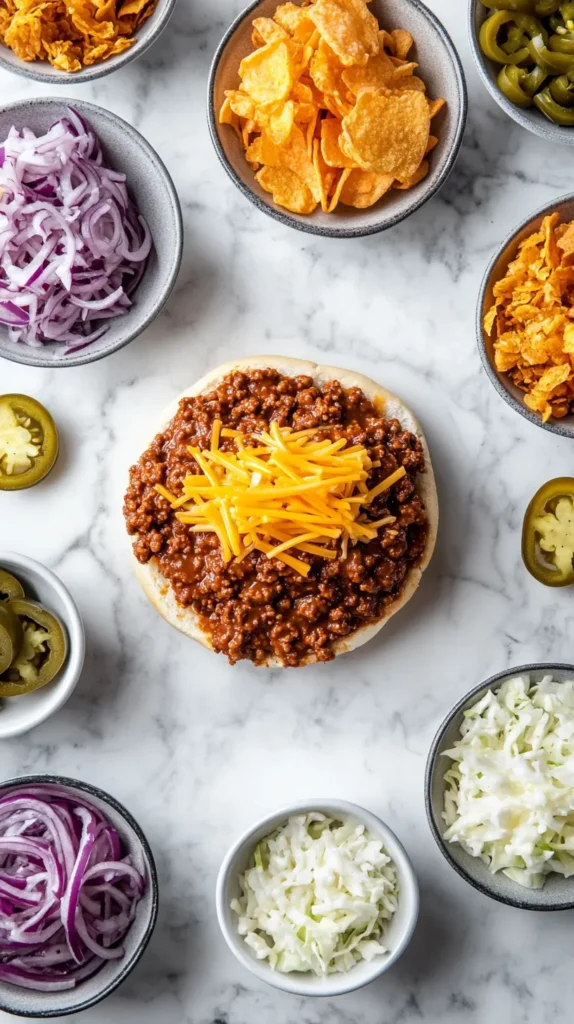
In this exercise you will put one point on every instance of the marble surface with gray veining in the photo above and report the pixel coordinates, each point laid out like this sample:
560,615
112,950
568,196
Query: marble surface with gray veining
197,749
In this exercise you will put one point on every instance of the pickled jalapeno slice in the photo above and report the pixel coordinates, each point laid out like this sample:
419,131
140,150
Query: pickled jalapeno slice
28,442
548,533
43,651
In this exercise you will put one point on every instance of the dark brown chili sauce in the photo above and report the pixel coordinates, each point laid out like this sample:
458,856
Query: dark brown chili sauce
260,607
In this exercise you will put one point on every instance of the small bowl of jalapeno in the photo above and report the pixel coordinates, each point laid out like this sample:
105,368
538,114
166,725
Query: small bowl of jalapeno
524,51
41,644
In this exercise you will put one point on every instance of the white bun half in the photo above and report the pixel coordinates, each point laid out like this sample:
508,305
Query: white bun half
157,587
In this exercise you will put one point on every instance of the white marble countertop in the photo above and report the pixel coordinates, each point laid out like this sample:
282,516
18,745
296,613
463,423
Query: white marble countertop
197,749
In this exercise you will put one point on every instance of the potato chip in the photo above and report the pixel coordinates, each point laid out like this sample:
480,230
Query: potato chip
329,109
348,27
295,20
402,41
287,189
330,148
364,188
268,31
420,173
281,123
387,132
335,198
372,75
266,74
435,106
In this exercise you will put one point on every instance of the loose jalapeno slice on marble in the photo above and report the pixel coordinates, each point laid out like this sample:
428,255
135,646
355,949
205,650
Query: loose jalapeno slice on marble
10,587
42,654
10,637
28,442
548,533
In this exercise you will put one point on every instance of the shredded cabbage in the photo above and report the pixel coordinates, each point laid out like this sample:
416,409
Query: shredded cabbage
319,896
510,790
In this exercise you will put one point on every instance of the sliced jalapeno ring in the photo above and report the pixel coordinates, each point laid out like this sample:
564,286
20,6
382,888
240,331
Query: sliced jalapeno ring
511,81
10,587
552,110
562,90
548,533
520,30
562,43
28,442
10,637
551,62
43,652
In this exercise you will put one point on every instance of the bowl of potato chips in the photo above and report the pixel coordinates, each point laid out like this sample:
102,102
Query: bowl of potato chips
525,318
77,41
337,117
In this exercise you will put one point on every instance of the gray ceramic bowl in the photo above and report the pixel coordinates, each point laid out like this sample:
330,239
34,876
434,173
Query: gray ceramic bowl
154,193
20,714
42,71
26,1003
530,117
496,269
558,892
439,66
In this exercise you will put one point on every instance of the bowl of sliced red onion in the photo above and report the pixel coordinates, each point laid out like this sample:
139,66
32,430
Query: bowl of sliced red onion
78,895
91,233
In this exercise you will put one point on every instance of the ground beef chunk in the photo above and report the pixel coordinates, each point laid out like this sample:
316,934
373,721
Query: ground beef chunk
259,608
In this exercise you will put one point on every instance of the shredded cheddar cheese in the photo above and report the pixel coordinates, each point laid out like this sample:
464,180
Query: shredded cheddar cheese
287,494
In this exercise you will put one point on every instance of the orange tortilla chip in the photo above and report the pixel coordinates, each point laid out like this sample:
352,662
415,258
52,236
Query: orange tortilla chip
365,188
387,132
287,189
73,35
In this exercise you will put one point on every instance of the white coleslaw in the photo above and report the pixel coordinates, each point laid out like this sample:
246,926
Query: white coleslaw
319,896
510,791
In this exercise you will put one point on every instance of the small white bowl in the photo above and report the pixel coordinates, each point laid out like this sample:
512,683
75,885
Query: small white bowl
396,938
20,714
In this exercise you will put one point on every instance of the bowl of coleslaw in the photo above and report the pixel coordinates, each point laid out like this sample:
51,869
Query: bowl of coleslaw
499,787
317,899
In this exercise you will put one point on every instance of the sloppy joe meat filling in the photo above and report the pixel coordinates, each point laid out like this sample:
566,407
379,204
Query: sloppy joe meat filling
259,608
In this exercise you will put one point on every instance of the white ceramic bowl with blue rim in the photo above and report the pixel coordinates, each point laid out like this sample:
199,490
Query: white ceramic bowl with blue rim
439,67
153,191
23,1002
530,117
396,937
20,714
42,71
557,892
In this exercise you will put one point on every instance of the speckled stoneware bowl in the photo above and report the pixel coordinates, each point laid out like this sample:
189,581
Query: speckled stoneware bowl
301,983
152,189
439,66
26,1003
42,71
495,270
529,117
20,714
558,892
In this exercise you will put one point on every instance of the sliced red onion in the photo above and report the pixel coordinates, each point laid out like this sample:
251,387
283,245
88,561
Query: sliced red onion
62,213
65,883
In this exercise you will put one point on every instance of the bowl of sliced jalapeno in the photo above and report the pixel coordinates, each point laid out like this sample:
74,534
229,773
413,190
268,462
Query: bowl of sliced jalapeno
41,644
524,51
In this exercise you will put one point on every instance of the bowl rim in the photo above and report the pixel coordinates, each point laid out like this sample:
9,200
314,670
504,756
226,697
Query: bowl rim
431,767
543,128
72,668
51,76
106,798
288,982
86,356
309,227
554,426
